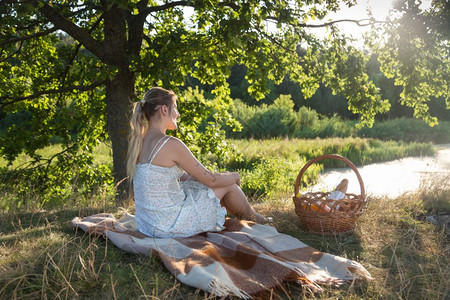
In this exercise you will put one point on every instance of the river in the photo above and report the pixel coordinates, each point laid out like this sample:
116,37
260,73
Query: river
393,178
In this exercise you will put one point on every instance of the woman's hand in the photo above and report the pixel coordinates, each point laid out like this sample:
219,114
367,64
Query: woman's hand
183,157
238,178
235,175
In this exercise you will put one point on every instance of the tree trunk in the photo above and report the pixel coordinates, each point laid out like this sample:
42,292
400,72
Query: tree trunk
119,94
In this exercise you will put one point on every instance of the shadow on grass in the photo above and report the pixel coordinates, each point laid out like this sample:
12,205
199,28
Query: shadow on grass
415,258
13,222
408,257
44,256
287,222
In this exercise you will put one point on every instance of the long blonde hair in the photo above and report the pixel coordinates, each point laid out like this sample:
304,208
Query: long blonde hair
142,112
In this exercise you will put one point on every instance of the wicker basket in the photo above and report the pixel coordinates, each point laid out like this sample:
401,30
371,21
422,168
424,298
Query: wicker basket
327,216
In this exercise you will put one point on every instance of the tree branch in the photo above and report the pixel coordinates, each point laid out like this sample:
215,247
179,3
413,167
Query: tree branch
357,22
74,31
32,36
28,37
136,29
29,25
232,5
151,9
42,161
77,48
13,53
53,91
147,39
4,2
49,160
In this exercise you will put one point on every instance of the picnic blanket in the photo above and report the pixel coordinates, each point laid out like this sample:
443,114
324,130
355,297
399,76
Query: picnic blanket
243,260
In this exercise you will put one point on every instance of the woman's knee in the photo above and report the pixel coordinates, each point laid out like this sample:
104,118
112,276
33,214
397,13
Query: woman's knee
235,189
222,191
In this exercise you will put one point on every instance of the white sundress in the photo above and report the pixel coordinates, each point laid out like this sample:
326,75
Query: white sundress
169,208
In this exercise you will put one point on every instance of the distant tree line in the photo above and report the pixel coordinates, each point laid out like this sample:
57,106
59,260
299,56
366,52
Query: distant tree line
324,101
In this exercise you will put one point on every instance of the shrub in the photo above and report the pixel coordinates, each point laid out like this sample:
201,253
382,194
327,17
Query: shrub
408,130
328,128
281,120
266,121
273,177
307,117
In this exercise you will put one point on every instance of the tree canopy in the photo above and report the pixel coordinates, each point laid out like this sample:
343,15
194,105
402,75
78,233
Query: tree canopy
413,48
70,69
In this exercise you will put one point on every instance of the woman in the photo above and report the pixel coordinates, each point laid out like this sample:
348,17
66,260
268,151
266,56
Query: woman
174,194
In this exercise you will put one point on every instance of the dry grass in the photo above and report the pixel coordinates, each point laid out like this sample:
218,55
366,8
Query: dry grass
408,257
42,257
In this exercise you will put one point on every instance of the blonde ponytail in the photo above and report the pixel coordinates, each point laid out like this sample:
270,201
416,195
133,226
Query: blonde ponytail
142,112
138,126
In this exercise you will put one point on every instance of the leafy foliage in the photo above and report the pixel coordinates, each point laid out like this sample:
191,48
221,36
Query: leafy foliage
414,50
201,125
34,119
274,176
408,130
280,119
72,68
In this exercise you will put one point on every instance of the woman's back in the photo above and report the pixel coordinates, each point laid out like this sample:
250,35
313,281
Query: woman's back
167,203
167,207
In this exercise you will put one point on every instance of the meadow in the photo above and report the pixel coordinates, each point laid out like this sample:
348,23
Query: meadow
42,257
268,168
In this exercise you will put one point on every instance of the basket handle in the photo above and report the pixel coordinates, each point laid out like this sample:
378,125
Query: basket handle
326,156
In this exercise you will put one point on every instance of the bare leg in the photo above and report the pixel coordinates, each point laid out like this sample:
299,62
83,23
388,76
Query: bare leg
236,203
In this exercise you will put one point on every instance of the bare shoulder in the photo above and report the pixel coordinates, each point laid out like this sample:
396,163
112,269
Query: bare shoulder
180,153
176,143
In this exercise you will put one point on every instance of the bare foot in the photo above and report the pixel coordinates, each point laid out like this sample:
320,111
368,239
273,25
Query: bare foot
258,218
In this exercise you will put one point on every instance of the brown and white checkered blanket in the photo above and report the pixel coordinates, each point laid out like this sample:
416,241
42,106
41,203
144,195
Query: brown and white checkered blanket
243,260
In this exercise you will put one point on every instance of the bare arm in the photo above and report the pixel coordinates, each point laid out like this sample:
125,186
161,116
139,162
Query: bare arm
186,177
184,158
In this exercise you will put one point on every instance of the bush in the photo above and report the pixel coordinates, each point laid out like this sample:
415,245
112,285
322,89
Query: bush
44,182
266,121
408,130
281,120
272,177
327,128
307,117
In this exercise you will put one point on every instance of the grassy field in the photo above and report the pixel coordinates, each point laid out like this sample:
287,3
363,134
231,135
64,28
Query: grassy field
268,169
42,257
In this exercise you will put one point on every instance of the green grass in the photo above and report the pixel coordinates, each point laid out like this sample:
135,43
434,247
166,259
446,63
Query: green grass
103,154
42,257
270,167
407,130
360,151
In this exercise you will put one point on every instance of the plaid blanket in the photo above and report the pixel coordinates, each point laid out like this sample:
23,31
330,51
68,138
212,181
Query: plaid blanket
243,260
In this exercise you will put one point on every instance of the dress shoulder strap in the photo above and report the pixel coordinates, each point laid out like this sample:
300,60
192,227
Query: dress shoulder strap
154,147
166,137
